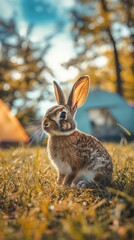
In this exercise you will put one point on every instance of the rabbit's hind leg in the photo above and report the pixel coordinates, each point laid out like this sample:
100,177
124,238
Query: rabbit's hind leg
84,179
82,184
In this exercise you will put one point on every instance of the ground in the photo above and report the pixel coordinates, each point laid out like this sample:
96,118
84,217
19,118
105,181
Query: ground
34,207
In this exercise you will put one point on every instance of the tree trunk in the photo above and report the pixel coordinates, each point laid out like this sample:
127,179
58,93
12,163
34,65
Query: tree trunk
117,64
119,88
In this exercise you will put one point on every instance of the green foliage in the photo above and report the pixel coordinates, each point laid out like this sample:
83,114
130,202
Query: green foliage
102,30
22,67
33,206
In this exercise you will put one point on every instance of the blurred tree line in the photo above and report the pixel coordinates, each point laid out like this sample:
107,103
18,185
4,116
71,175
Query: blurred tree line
22,70
104,41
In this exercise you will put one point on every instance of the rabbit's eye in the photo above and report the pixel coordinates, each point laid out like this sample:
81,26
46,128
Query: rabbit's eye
63,115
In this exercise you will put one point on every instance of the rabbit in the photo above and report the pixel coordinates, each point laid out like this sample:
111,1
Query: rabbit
80,159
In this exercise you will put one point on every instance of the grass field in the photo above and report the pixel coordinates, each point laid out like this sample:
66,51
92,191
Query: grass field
33,207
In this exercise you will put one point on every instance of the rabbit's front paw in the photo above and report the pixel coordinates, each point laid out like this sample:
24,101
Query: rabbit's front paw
68,179
60,179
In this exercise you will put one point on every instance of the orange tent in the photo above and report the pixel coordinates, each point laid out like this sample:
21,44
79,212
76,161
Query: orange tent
11,130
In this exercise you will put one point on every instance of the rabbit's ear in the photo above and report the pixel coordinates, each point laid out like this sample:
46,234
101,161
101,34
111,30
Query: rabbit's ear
60,98
79,93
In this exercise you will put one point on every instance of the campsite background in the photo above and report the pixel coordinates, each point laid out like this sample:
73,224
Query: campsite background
42,41
46,40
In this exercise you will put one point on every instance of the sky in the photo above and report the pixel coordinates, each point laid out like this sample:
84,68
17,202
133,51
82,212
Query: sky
48,16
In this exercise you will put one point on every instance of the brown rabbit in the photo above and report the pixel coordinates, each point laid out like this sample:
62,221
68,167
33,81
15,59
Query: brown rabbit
80,159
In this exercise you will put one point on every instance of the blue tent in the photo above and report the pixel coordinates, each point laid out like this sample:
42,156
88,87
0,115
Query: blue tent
100,102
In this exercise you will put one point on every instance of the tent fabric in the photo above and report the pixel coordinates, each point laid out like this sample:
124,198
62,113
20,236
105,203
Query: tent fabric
121,111
10,127
101,98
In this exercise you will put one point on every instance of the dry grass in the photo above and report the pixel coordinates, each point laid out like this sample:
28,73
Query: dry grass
33,207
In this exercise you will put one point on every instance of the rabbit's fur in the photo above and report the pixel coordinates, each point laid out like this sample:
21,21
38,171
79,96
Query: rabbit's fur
80,159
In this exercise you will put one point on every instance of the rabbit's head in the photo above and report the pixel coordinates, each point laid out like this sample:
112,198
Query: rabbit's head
59,119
